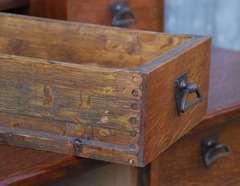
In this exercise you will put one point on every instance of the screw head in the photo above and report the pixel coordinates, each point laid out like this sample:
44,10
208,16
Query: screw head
133,120
77,144
134,92
134,106
133,133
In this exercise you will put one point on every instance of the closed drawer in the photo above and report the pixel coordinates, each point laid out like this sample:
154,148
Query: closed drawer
182,164
97,92
149,13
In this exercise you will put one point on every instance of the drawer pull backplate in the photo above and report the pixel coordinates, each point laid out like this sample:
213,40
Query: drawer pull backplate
183,89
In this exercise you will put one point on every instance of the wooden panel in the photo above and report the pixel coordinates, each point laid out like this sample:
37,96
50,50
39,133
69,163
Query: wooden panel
84,44
29,160
63,97
149,13
223,110
163,126
224,82
11,4
62,128
182,162
48,9
19,166
54,103
54,99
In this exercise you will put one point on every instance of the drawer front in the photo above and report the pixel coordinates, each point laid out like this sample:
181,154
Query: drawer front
163,125
182,164
149,13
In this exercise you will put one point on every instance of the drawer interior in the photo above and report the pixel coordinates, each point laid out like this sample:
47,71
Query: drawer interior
117,104
82,44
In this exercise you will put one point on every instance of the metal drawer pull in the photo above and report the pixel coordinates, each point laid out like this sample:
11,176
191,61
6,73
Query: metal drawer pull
183,89
212,150
119,11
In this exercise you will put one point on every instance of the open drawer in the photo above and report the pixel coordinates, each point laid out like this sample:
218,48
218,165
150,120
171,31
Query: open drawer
98,92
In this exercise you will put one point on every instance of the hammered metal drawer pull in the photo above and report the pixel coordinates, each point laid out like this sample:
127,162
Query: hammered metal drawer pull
212,150
183,89
119,12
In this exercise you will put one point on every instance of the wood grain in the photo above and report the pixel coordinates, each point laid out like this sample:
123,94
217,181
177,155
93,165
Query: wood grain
83,44
218,117
64,97
162,125
149,175
182,163
47,8
11,4
149,13
58,171
23,97
52,102
80,81
223,116
21,166
224,82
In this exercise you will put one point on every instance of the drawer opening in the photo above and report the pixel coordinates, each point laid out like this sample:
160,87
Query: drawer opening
85,44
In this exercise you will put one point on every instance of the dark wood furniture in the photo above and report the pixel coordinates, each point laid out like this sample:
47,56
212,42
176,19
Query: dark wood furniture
182,163
149,13
78,89
19,166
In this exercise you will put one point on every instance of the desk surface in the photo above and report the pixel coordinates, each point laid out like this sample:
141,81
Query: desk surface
20,166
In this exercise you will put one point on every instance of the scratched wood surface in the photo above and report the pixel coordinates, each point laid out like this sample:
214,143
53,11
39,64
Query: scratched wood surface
62,82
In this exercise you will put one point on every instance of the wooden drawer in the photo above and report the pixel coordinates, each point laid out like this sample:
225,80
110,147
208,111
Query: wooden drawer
182,163
96,92
149,13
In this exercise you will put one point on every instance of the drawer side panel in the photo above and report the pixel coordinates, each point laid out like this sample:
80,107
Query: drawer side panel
47,105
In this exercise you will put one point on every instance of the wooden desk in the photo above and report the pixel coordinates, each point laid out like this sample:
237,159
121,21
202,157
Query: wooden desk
19,166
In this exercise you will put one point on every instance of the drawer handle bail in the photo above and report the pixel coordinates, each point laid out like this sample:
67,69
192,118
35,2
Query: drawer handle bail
183,89
212,150
119,11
